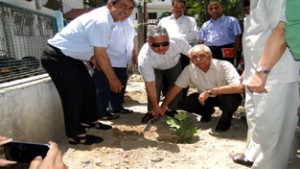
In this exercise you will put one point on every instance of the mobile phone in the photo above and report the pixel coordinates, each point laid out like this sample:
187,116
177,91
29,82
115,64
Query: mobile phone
24,151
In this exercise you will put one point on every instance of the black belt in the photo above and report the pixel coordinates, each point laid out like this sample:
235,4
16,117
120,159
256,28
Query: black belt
223,46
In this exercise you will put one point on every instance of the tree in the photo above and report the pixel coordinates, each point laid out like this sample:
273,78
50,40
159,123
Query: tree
93,3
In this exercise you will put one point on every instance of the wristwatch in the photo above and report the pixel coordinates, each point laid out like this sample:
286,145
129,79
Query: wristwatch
262,70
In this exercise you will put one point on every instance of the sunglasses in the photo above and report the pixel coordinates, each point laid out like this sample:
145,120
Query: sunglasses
156,45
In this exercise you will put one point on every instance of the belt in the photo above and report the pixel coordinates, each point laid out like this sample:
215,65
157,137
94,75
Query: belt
223,46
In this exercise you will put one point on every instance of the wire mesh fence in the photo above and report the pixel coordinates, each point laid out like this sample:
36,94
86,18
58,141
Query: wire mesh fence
23,36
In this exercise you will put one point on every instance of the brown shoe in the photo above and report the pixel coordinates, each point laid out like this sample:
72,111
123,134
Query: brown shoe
241,159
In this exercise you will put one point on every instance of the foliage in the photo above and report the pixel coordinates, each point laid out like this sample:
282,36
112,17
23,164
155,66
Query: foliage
183,129
93,3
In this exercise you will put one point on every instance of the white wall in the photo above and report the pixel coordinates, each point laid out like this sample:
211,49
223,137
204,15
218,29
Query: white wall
30,110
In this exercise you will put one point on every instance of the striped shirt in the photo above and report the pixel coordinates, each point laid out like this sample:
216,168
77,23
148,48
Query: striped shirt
148,60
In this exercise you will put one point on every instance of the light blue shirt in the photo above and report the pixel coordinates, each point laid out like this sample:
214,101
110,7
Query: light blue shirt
219,32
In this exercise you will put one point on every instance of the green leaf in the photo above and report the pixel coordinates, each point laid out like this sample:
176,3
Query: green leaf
173,123
181,116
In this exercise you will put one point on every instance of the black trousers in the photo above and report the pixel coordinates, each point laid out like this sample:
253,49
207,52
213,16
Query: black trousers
228,103
76,89
217,52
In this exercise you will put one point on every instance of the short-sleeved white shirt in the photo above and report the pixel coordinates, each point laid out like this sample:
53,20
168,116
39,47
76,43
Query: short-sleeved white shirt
220,73
149,60
184,27
121,43
81,35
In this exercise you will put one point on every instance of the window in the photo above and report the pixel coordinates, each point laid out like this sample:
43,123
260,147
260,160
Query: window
152,15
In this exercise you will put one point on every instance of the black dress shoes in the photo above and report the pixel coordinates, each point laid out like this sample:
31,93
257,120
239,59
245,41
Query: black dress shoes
240,159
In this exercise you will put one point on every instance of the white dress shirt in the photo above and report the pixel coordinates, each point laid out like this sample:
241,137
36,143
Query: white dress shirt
184,27
220,73
149,60
79,37
121,44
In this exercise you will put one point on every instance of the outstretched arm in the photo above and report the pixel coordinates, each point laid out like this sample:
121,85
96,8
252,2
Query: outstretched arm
171,94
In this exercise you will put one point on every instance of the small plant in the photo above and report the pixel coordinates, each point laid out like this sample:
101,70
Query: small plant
183,129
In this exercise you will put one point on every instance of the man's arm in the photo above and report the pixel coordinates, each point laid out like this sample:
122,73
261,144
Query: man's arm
102,60
151,93
237,45
228,89
273,50
171,94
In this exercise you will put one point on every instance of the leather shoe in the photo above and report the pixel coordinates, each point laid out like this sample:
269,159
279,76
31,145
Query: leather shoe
241,159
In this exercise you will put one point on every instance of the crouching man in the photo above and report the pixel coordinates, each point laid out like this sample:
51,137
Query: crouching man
218,84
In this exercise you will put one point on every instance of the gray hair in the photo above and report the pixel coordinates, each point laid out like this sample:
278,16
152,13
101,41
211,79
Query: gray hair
206,49
157,31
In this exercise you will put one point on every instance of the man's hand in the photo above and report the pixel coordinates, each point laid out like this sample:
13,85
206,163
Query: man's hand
4,140
53,159
202,97
116,85
156,111
257,83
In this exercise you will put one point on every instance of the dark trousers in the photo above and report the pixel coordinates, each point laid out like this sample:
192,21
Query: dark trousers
184,61
228,103
107,99
171,76
76,89
217,52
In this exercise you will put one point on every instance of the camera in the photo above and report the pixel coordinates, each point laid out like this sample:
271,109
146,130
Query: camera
24,151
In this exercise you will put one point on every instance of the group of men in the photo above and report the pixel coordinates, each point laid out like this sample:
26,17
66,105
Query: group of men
217,80
271,79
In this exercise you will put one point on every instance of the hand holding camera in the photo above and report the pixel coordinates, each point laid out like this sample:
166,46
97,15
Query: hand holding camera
38,155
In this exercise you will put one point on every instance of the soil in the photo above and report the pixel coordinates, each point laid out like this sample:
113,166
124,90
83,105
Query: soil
126,146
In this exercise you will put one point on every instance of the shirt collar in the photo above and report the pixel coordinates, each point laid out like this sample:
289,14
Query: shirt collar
221,18
173,17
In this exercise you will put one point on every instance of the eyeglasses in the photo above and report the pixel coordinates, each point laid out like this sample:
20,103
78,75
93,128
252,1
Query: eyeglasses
156,45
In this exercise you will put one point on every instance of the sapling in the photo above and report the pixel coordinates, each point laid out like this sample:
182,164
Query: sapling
183,129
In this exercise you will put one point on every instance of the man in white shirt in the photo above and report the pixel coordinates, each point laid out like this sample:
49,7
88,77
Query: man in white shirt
181,26
121,53
160,56
271,78
218,84
86,36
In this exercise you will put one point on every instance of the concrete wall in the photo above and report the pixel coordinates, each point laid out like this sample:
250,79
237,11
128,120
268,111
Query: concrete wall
30,110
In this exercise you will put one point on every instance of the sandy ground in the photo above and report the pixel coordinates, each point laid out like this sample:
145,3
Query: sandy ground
127,147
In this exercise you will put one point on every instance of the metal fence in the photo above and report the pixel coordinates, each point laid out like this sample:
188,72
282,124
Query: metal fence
23,36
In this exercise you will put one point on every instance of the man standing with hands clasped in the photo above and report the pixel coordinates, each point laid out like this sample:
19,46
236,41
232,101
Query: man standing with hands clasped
222,34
